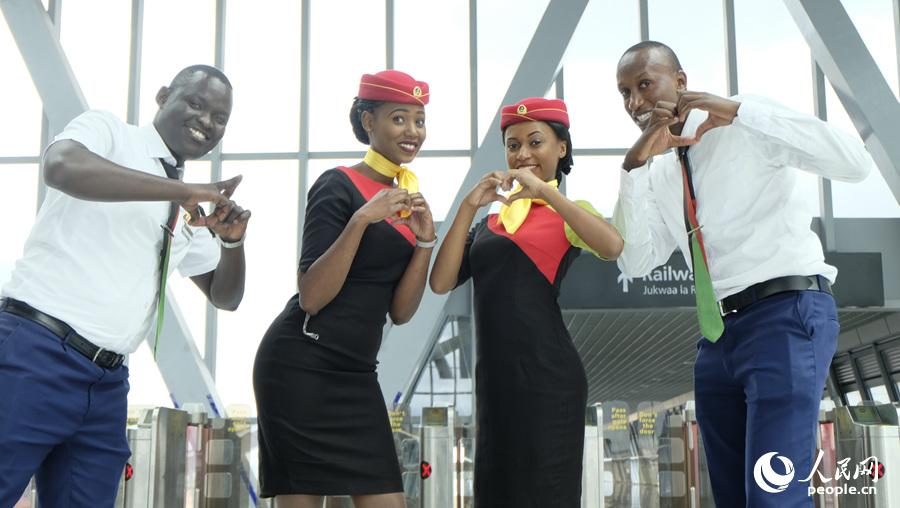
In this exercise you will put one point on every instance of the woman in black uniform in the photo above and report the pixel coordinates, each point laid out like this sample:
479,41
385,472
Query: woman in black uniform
323,424
530,384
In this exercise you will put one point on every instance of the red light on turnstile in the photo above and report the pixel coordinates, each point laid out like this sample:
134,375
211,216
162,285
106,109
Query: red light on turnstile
129,471
425,471
877,472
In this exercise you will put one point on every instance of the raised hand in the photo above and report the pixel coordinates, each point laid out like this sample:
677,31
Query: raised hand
656,138
229,221
217,193
721,111
485,192
384,204
419,221
532,185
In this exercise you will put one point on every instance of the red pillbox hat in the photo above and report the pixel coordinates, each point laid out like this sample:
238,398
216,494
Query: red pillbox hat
393,86
534,109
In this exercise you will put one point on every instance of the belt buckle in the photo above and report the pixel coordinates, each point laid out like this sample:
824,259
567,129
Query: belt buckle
97,354
724,312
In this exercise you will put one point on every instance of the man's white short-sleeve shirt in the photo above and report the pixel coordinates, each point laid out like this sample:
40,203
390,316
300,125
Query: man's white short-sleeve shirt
95,265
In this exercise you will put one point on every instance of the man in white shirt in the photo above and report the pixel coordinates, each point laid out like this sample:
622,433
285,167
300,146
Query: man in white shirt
761,366
85,292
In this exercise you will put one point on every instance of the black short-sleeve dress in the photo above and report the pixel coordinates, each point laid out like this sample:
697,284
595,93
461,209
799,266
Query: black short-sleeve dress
323,424
530,383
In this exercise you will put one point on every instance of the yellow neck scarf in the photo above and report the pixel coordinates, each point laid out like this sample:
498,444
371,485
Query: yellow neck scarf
512,216
406,179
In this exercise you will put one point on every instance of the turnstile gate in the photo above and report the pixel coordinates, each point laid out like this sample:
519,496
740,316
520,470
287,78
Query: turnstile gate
868,442
592,470
438,443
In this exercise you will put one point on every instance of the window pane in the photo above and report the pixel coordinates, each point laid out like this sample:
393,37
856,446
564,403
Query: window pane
269,190
774,61
697,36
595,179
874,20
18,191
263,63
97,37
439,30
147,385
870,198
176,34
20,131
503,36
598,119
880,394
439,181
342,48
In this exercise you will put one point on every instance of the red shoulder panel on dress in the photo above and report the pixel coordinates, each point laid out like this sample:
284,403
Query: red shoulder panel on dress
542,237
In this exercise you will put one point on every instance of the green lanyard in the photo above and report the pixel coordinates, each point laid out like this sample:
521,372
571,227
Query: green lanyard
168,237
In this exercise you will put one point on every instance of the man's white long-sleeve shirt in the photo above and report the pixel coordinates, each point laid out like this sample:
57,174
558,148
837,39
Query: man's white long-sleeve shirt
754,222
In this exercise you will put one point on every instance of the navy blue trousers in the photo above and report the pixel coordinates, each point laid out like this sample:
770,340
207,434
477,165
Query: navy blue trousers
758,390
62,418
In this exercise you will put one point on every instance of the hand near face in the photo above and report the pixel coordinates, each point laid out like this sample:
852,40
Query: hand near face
656,137
721,111
485,192
384,204
532,186
420,221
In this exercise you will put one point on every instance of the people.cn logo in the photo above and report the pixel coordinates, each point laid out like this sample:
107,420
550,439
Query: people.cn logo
767,478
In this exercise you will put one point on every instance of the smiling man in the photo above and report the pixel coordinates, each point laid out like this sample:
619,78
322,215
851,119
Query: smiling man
733,205
85,292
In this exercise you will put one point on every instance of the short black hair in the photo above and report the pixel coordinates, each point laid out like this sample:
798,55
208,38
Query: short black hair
565,163
184,75
673,58
356,111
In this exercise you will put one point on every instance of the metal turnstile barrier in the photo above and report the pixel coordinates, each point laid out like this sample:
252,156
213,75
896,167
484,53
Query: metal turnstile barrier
868,439
592,466
224,486
438,460
181,459
158,453
674,470
617,453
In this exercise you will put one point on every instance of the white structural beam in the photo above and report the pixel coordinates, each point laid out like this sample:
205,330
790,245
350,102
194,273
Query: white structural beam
406,348
53,78
859,84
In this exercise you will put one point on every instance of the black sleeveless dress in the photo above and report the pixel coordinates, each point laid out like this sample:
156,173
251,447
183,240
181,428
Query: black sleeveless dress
323,424
530,383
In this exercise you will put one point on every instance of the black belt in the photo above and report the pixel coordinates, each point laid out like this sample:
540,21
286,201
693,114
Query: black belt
756,292
102,357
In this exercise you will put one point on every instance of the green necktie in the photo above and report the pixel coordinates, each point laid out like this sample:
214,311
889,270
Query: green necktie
708,315
168,234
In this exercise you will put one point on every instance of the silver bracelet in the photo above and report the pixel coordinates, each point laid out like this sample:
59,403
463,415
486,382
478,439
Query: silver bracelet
231,245
426,245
